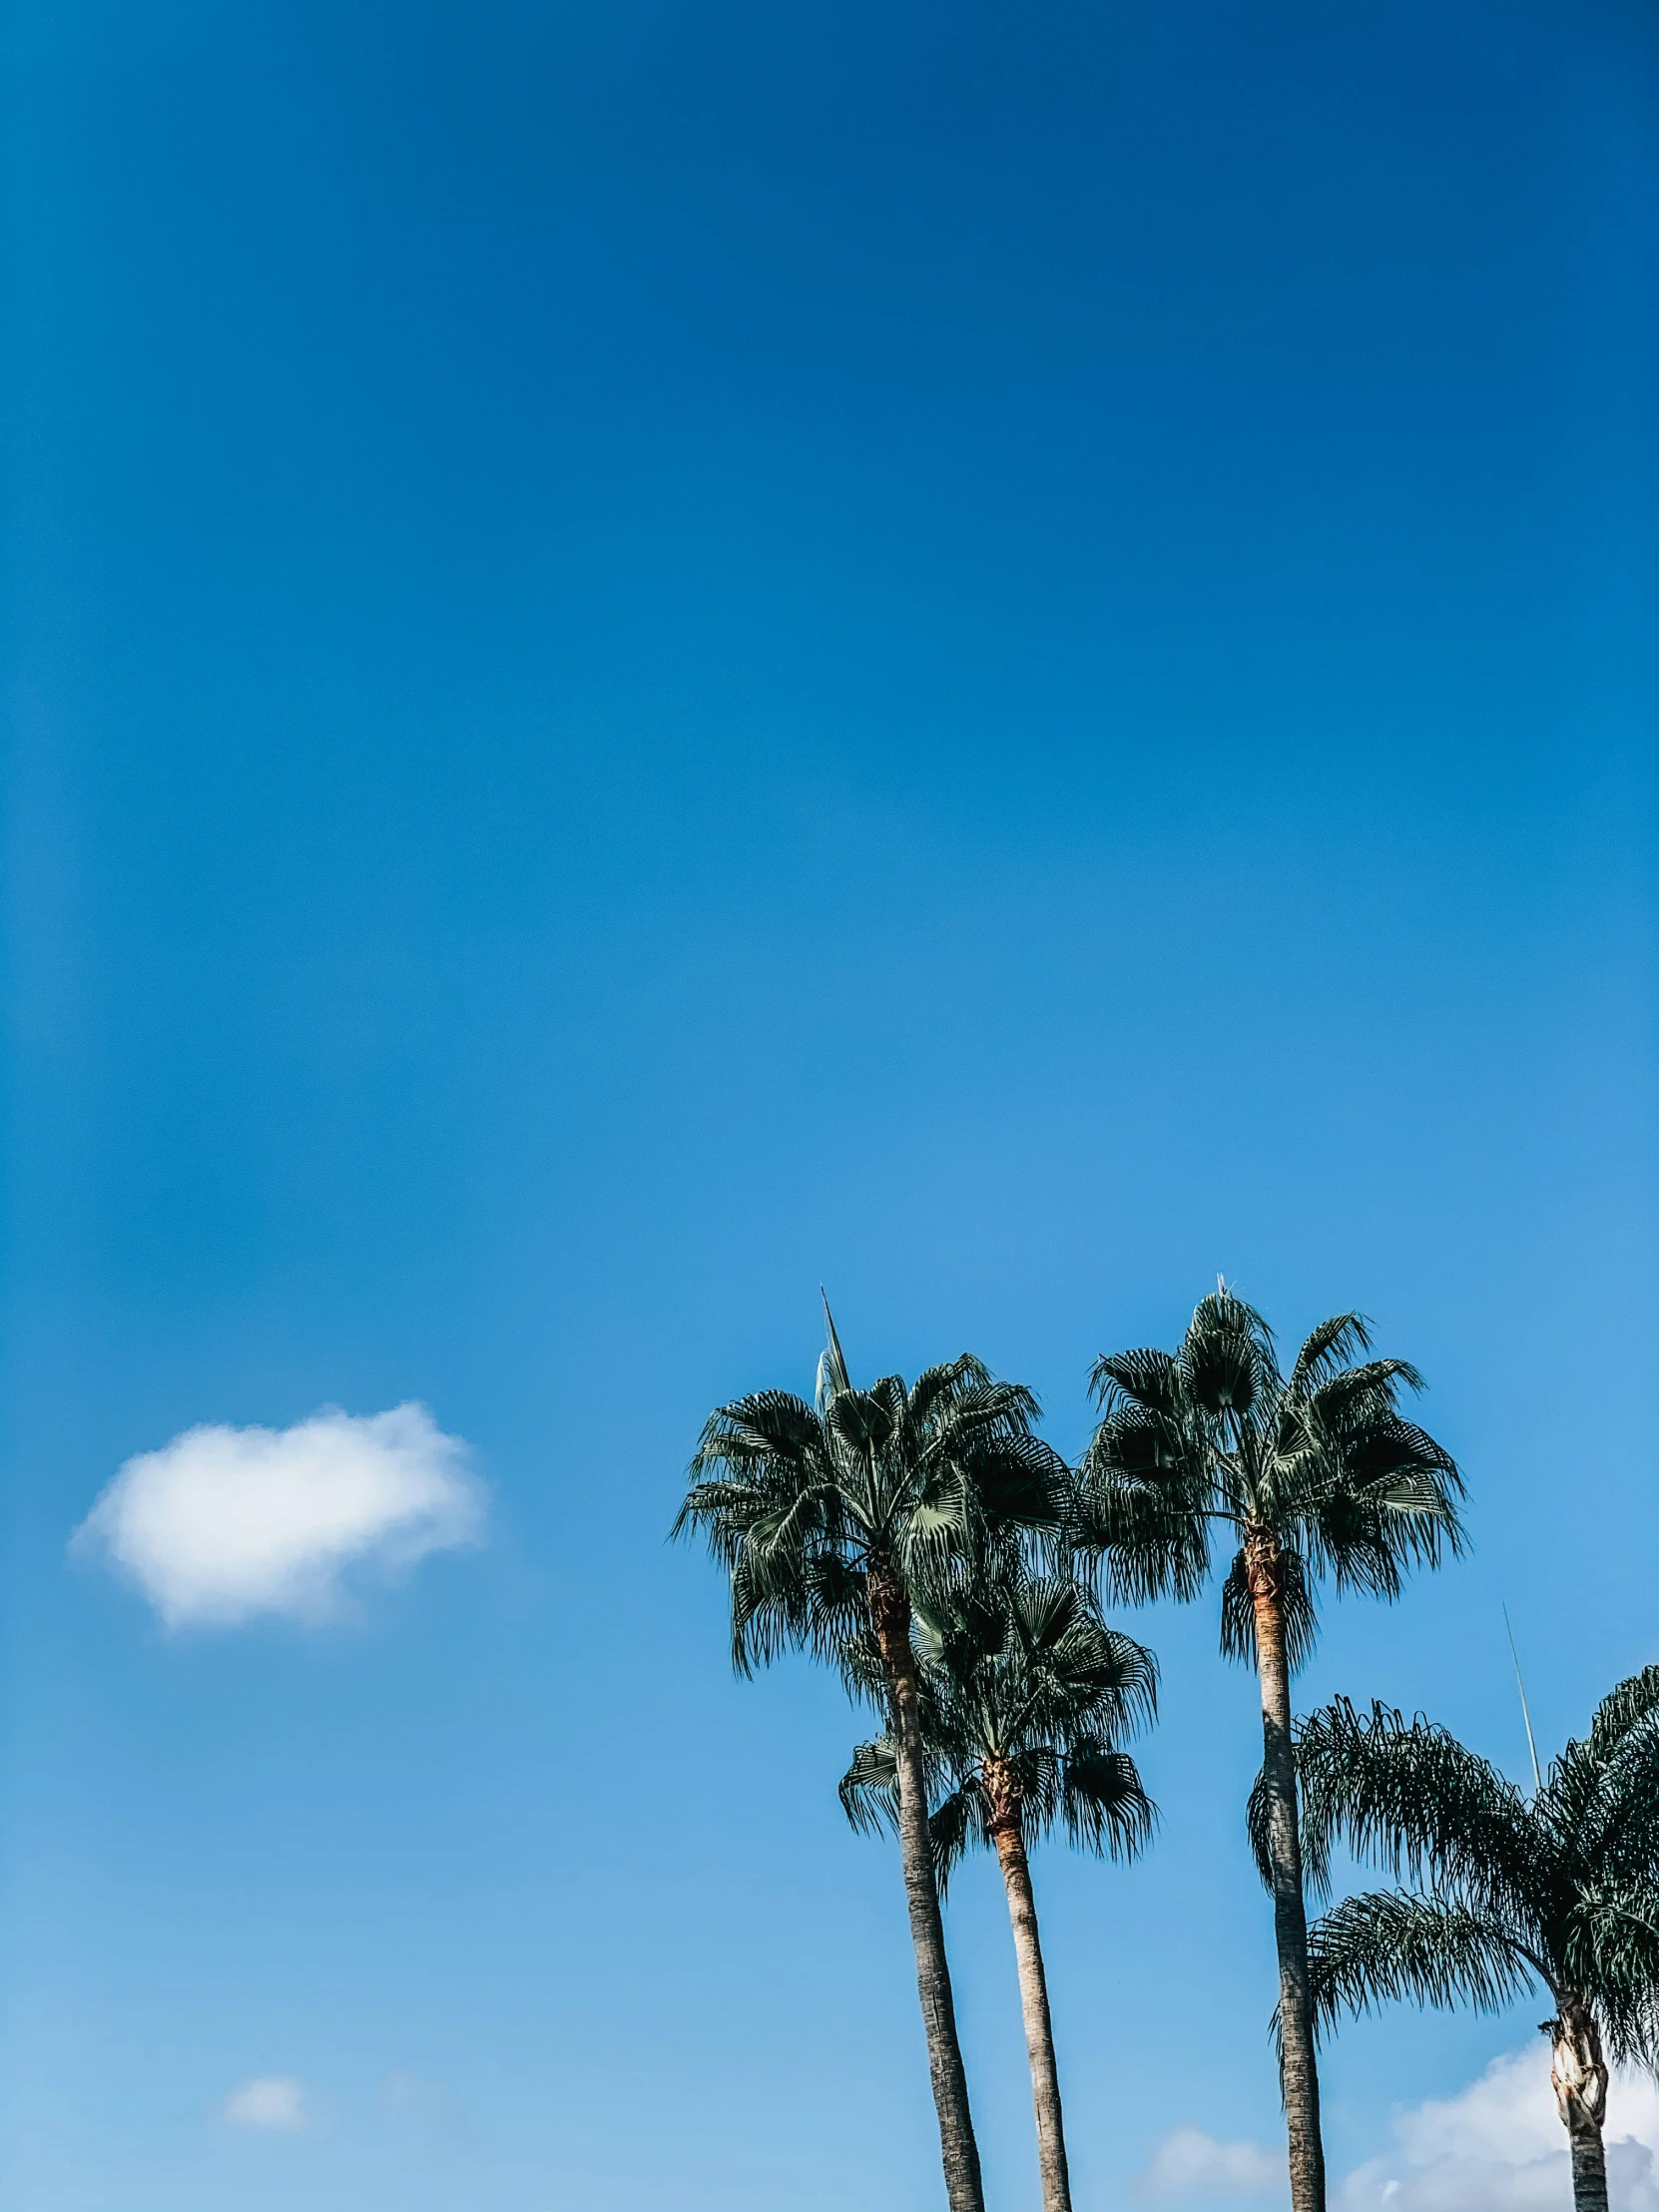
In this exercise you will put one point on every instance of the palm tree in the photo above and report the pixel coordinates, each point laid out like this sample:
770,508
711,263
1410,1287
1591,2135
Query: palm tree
828,1519
1313,1474
1561,1885
1024,1694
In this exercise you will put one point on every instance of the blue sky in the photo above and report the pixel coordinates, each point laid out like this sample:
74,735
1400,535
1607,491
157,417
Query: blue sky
995,656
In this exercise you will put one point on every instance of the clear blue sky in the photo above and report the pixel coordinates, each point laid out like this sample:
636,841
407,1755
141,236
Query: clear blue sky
996,656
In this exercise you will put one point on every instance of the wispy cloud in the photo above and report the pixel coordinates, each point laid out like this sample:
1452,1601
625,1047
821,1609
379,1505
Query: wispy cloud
1189,2164
222,1524
1497,2146
275,2103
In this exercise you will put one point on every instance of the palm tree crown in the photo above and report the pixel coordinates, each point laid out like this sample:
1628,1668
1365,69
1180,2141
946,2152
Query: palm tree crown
1026,1695
819,1510
1562,1884
1315,1471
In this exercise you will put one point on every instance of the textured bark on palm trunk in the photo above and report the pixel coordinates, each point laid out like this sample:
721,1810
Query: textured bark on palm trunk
1589,2170
1033,1995
1578,2073
889,1616
1298,2069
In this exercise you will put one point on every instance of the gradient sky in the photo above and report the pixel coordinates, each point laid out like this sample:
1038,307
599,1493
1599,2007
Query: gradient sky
1000,657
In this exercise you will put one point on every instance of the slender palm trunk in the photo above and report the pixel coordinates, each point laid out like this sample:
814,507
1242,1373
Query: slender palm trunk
889,1615
1578,2072
1298,2070
1589,2170
1033,1997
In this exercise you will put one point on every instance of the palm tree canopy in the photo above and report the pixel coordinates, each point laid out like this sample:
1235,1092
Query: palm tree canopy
1320,1466
1025,1695
1564,1881
801,1503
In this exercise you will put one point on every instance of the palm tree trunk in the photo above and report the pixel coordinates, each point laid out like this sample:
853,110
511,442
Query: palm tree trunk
889,1615
1578,2072
1589,2170
1298,2069
1033,1997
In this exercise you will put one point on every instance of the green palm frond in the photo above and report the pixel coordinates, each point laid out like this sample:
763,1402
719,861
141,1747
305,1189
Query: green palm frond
1225,1361
869,1787
959,1821
1600,1797
1327,1350
1391,1943
1147,1379
1611,1946
1410,1797
1142,1508
1104,1801
1633,1704
832,1376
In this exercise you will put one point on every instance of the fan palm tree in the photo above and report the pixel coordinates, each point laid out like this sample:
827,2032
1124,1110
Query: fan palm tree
1561,1886
1311,1474
829,1518
1024,1694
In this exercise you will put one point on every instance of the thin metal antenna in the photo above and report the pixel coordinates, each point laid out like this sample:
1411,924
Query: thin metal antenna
1537,1778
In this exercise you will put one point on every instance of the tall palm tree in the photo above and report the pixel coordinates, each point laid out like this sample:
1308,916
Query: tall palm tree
1311,1474
830,1519
1561,1885
1024,1694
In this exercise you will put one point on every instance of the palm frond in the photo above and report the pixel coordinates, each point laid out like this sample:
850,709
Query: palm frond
1612,1950
1140,1510
1226,1359
1145,1378
869,1787
1410,1797
955,1822
1327,1349
1390,1945
1104,1801
1600,1799
1634,1702
832,1376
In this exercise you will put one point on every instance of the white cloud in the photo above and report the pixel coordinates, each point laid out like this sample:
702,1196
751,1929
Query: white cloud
1498,2146
274,2101
1189,2163
225,1523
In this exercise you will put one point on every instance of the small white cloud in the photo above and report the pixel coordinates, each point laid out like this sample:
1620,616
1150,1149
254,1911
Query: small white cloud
1189,2163
1498,2146
225,1523
274,2101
